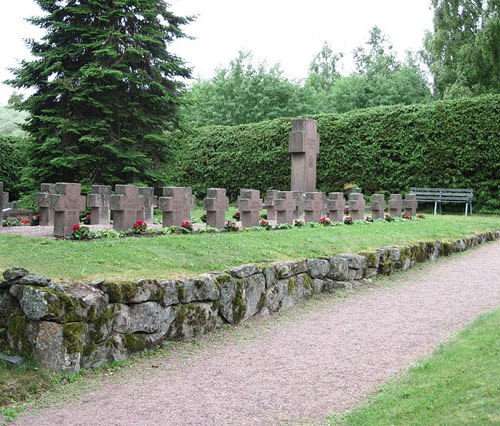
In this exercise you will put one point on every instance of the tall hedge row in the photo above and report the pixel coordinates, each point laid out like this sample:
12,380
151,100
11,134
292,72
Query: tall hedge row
386,149
14,151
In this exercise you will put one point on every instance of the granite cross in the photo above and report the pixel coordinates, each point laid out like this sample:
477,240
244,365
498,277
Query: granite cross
303,145
98,201
313,206
216,204
150,202
43,202
127,205
174,204
357,205
67,203
377,204
249,205
299,206
336,206
410,204
269,200
395,205
285,205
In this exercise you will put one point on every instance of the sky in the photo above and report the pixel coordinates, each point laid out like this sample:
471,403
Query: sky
289,32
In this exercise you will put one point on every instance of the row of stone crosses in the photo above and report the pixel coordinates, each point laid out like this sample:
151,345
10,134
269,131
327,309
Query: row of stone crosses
61,204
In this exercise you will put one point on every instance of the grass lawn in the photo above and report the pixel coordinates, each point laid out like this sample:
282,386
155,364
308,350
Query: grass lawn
458,385
183,255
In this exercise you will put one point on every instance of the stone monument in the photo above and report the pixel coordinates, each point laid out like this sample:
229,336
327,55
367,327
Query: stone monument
43,202
285,205
150,202
216,204
174,204
357,206
67,203
249,205
336,206
377,204
395,205
269,201
303,145
410,204
313,206
99,201
127,205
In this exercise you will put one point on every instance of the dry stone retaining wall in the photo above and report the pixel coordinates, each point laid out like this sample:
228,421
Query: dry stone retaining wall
79,326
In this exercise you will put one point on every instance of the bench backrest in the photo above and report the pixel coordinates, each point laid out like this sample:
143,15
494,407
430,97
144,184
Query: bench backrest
443,195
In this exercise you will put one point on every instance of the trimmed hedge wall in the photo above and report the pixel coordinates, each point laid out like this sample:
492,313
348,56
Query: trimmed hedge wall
13,160
385,149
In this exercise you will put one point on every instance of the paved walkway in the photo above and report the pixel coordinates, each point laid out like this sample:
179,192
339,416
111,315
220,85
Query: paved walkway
300,368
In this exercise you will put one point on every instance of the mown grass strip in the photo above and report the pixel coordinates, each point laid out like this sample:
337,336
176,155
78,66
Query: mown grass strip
184,255
458,385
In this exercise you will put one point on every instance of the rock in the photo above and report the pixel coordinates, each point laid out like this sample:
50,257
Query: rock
318,268
280,296
13,360
339,268
243,271
34,303
148,317
55,287
35,280
318,285
270,275
122,346
96,283
200,289
170,293
194,319
14,274
95,356
372,258
330,285
355,261
130,292
301,286
291,268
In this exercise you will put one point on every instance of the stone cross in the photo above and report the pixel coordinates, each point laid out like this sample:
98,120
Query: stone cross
216,204
410,204
313,206
299,206
43,201
98,201
377,204
395,205
357,206
150,202
174,204
285,205
269,201
127,205
192,203
67,203
249,205
303,145
336,206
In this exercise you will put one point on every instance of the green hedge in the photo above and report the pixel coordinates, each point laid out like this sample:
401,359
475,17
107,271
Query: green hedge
14,151
385,149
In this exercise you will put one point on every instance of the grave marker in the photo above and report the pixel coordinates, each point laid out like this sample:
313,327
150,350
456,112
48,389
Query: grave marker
269,201
191,204
150,202
357,206
249,205
395,205
303,145
336,206
43,202
216,204
174,204
99,201
378,206
127,205
299,206
67,203
313,206
410,204
285,205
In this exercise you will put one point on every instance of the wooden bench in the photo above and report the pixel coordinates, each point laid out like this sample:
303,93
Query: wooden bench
445,195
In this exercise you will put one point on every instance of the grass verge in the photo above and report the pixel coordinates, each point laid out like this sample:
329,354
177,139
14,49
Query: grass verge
174,256
458,385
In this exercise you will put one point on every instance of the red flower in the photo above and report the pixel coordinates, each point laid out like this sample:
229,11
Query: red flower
75,227
37,215
88,216
263,222
186,224
140,222
346,211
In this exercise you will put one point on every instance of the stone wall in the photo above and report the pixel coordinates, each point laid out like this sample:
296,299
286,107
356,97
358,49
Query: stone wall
79,326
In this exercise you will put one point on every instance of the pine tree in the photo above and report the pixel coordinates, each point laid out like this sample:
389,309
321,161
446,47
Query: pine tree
106,90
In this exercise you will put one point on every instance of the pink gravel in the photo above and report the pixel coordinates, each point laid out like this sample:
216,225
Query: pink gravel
302,367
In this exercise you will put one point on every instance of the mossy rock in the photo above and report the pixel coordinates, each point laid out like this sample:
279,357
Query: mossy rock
193,319
17,332
74,337
133,292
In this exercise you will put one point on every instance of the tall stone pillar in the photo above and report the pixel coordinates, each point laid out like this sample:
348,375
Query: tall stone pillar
303,145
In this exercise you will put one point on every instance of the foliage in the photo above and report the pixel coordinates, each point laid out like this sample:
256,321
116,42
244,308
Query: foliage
105,89
462,50
242,93
11,121
451,144
14,154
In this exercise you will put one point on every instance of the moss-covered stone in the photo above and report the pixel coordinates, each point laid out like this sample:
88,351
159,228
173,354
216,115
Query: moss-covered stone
222,279
308,283
193,319
262,302
291,286
89,349
97,324
181,293
120,292
135,342
371,257
17,333
239,305
387,267
74,336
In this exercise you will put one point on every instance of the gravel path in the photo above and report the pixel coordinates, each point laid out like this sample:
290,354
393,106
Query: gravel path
309,365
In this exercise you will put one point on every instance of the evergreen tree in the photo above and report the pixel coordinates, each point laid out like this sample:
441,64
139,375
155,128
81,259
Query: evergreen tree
105,90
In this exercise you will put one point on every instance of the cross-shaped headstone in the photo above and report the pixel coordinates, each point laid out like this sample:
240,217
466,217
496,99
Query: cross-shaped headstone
357,205
174,204
336,206
395,205
299,204
377,204
67,203
43,202
150,202
410,204
285,205
191,205
216,204
127,205
249,205
303,145
313,206
98,201
269,200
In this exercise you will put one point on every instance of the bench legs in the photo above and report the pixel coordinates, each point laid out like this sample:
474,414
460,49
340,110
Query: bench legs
469,208
435,208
